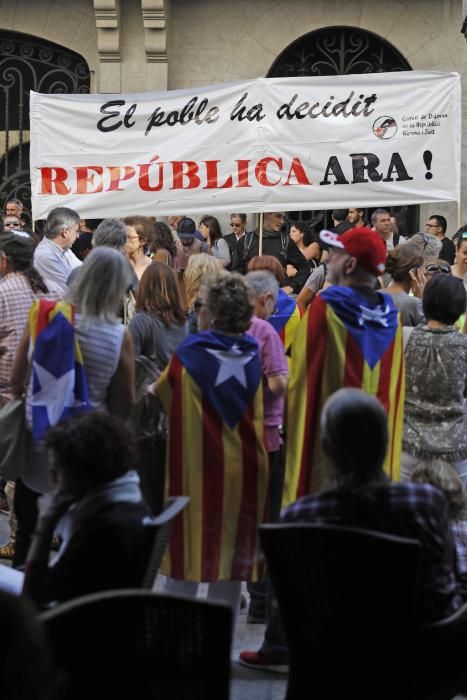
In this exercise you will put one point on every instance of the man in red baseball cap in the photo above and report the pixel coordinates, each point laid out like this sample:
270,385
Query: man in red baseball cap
357,248
350,336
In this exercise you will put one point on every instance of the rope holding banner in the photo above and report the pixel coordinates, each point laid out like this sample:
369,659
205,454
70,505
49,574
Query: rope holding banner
260,252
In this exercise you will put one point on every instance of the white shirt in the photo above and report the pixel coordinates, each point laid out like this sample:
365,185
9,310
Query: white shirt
54,263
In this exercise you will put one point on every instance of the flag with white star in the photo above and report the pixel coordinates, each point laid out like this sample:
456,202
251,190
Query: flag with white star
345,339
226,368
59,386
212,395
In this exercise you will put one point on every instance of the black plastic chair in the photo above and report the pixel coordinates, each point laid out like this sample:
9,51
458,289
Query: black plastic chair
157,536
133,644
348,603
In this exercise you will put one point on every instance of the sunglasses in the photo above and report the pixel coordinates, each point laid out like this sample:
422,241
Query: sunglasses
432,267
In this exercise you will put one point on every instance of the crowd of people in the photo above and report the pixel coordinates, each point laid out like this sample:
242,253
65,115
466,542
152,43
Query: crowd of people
288,368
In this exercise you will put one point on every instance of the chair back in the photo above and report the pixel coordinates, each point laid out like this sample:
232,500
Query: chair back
140,644
157,533
347,598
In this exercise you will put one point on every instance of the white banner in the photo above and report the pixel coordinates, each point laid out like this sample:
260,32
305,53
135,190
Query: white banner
262,145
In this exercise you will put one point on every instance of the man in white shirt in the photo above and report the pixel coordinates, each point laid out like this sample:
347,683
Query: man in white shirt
53,257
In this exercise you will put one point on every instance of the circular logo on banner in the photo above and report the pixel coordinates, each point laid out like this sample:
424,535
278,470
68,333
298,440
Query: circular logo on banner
385,127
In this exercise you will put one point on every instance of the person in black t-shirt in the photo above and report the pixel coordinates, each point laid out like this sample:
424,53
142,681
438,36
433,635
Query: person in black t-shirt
436,226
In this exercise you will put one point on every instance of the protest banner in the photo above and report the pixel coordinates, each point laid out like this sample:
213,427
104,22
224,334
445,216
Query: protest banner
261,145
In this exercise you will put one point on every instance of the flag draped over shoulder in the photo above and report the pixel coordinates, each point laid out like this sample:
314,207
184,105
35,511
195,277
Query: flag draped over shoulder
212,394
59,386
341,342
286,318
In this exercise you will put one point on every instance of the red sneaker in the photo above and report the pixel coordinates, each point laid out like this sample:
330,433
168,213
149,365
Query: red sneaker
274,662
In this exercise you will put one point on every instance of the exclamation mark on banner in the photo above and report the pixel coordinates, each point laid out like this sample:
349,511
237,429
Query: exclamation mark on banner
427,158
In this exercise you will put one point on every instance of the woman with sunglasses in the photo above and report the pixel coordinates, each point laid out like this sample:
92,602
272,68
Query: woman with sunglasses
436,266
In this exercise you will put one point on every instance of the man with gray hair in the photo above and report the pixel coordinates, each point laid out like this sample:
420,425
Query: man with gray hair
265,289
53,257
111,233
382,224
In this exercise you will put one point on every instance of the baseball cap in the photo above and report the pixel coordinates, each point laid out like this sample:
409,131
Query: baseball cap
186,228
18,246
361,243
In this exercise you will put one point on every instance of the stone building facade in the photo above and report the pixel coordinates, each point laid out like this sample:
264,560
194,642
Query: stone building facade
151,45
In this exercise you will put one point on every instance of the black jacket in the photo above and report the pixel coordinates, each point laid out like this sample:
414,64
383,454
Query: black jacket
281,247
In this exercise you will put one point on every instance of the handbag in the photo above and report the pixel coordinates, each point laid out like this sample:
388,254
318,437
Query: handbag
145,418
14,438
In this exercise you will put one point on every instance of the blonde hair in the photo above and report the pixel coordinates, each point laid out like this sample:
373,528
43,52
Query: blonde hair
199,267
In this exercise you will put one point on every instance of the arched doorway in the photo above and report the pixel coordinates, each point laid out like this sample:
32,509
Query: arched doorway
28,63
342,51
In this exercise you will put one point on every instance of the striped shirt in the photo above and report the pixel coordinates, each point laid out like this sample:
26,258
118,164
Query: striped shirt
101,344
16,297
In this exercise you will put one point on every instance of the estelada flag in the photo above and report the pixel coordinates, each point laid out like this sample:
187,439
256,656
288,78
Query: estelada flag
59,385
212,394
341,341
286,318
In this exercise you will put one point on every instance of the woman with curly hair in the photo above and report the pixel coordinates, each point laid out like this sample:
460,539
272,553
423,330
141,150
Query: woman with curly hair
211,392
306,241
211,232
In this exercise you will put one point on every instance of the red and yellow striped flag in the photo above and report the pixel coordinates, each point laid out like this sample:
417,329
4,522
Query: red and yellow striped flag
212,394
341,342
286,318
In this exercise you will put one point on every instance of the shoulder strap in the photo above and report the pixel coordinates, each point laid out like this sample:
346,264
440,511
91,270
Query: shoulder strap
284,243
247,244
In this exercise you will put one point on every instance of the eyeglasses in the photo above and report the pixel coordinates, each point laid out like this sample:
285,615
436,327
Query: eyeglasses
12,224
432,267
235,225
432,225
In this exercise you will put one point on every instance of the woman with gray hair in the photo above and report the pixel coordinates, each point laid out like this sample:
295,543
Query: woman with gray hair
212,394
429,245
107,350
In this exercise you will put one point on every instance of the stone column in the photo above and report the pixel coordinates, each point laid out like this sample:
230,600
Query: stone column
107,13
155,43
